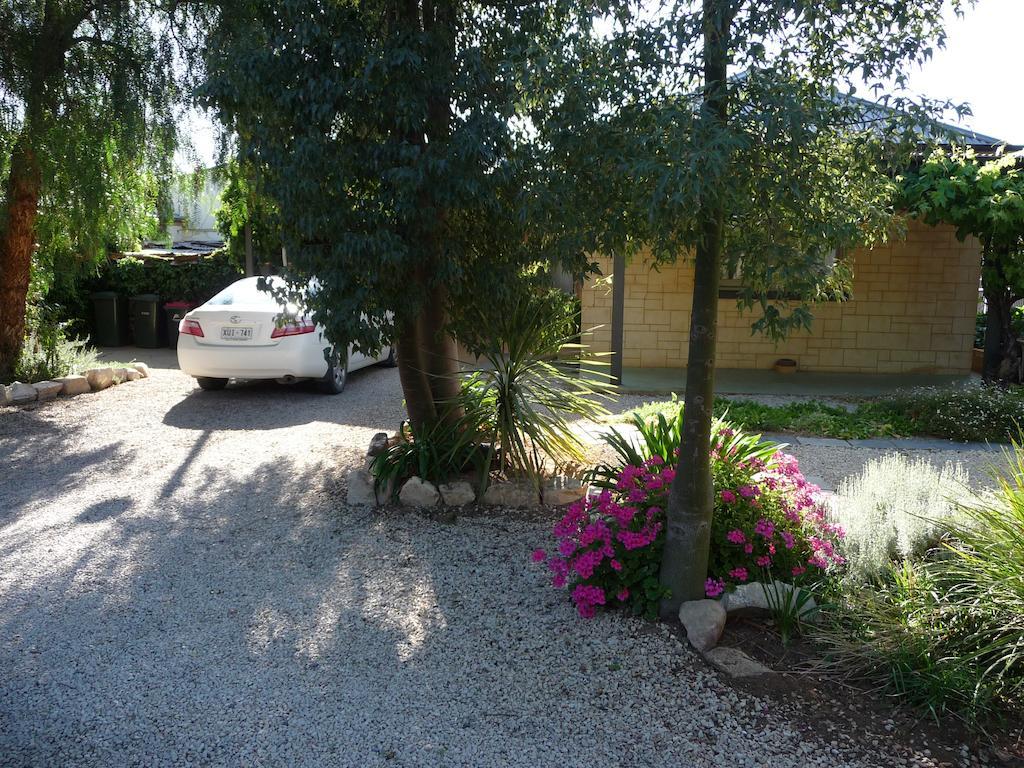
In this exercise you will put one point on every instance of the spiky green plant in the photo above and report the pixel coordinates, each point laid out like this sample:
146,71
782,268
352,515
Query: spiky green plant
657,435
533,382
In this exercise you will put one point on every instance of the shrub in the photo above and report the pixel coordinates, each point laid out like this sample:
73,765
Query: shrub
947,632
809,416
47,352
435,453
609,548
988,413
894,510
767,521
955,413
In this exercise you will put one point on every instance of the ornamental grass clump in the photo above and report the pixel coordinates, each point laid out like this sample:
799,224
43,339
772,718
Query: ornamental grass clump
946,631
768,524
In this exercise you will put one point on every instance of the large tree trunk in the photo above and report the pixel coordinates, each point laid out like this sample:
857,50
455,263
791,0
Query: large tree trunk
684,563
1001,358
17,241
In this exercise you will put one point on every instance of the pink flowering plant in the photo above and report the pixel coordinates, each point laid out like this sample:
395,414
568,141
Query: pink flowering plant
768,522
609,546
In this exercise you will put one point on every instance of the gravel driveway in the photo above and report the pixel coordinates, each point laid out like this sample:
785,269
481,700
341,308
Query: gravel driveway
180,584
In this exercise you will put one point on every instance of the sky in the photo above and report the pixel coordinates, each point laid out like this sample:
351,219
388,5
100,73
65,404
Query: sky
979,66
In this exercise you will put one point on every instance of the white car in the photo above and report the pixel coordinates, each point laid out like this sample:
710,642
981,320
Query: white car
246,333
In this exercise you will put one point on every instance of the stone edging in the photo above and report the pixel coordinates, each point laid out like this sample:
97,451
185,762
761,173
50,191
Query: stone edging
704,622
418,493
92,380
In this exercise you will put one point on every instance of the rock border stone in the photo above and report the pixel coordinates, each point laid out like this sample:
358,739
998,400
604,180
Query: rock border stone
92,380
704,622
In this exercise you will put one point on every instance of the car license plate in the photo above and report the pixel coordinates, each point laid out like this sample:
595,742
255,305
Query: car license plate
236,334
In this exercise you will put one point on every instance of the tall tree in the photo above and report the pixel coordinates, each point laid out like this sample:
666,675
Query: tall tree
984,200
85,92
397,140
742,145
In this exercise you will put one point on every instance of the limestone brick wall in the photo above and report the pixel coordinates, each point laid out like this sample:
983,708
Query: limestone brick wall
913,309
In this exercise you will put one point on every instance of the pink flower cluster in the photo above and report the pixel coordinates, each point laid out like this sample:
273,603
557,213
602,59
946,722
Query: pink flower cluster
597,536
772,519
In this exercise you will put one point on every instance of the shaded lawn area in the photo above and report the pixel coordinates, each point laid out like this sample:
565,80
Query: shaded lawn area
974,414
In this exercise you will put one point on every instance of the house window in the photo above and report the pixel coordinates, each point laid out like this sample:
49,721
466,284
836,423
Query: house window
731,282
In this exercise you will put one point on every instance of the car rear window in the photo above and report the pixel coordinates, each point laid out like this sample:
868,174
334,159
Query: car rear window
245,292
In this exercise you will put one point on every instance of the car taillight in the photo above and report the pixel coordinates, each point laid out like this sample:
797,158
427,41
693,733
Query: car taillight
190,328
292,328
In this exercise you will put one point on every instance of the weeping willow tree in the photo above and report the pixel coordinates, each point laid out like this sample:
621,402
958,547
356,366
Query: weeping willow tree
86,131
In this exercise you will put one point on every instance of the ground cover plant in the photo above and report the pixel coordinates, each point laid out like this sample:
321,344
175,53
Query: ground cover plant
967,414
894,510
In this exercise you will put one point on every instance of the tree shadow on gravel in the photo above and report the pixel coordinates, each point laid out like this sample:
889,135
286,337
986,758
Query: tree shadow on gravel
41,459
372,398
258,598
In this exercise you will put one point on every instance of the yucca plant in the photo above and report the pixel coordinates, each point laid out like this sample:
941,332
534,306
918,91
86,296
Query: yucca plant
534,381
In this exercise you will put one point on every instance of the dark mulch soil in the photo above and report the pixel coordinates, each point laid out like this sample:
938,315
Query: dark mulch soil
832,705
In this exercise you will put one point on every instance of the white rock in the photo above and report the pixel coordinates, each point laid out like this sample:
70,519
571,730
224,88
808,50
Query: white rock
131,374
121,374
562,490
99,378
73,385
704,621
735,663
142,368
360,488
511,494
21,393
746,600
457,494
47,390
754,600
419,493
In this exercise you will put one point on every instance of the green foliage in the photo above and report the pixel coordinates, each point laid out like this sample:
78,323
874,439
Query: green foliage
89,86
981,322
194,282
659,435
47,352
989,413
790,608
808,417
243,203
966,414
436,454
533,381
947,632
402,164
984,200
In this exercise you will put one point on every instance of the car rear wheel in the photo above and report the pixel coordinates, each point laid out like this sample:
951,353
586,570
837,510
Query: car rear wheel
211,385
337,376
